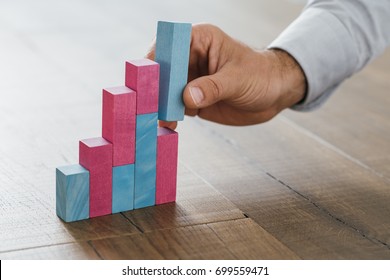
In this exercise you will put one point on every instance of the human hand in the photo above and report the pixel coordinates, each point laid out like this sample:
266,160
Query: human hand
231,83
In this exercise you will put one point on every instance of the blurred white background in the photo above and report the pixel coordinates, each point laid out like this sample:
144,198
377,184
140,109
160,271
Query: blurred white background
56,56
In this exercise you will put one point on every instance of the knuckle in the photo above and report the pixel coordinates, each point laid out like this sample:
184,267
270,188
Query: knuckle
216,88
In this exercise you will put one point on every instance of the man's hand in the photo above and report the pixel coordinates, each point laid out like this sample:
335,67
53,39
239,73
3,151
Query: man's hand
230,83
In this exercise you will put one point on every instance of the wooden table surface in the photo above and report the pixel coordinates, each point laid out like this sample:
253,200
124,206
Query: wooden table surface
302,186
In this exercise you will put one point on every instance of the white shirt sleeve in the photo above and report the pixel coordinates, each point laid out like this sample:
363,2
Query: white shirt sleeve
333,39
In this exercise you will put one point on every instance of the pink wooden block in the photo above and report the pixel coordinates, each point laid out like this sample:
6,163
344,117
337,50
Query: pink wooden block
142,75
119,115
95,154
167,152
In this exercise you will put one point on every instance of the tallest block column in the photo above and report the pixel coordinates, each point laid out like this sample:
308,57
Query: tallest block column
142,76
172,53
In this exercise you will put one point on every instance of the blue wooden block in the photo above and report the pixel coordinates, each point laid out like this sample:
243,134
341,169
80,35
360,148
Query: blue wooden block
172,53
145,160
122,188
72,193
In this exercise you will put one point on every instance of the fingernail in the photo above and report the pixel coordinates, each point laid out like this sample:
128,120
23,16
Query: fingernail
196,95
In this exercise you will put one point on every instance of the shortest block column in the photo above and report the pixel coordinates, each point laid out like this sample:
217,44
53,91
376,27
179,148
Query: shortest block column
166,178
95,154
72,193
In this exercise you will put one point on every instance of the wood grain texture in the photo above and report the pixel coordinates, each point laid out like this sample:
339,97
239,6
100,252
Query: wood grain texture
197,203
145,161
72,193
166,177
100,227
118,124
142,75
245,239
70,251
316,210
237,239
25,229
123,188
95,154
172,53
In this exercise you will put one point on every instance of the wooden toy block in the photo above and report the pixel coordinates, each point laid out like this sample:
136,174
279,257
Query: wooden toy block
72,193
119,110
167,153
142,76
172,53
145,160
95,154
122,188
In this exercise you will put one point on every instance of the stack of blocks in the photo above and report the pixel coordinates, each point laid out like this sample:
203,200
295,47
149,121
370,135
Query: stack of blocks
134,164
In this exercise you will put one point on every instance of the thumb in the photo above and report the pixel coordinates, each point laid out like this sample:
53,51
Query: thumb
205,91
151,50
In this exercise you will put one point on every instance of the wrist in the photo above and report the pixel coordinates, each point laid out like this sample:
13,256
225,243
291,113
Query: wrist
291,78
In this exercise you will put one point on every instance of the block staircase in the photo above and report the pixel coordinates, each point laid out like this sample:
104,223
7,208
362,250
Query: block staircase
134,162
